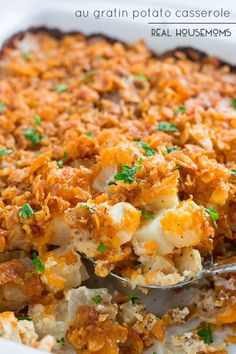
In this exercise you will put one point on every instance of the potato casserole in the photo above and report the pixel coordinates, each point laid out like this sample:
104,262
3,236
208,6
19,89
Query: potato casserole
111,153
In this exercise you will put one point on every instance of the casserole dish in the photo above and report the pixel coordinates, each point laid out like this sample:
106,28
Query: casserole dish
59,15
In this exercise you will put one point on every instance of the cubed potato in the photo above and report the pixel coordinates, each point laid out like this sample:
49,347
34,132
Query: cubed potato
189,260
100,184
63,269
152,237
184,225
123,221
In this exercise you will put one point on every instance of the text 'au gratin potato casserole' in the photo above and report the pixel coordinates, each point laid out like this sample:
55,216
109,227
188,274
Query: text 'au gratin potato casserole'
108,151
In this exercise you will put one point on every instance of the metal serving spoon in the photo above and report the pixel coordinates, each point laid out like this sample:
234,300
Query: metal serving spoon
209,269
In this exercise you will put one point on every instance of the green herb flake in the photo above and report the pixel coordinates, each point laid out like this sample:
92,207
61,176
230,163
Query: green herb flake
149,151
24,318
233,172
61,341
206,333
5,152
27,55
147,215
178,168
154,353
171,148
140,161
61,88
90,134
32,135
61,162
2,106
112,183
2,332
37,120
134,299
102,248
26,211
213,215
97,299
167,127
36,261
89,75
233,103
127,174
90,207
180,110
139,77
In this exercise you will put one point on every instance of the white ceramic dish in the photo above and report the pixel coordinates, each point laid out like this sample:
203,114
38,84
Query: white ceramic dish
60,14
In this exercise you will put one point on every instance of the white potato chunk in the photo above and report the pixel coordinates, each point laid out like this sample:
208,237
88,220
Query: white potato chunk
85,296
152,237
158,270
184,225
100,184
60,233
164,264
190,260
18,331
63,269
166,201
50,319
123,221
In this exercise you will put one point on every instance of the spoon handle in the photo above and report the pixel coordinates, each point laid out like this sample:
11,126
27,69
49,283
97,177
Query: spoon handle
221,269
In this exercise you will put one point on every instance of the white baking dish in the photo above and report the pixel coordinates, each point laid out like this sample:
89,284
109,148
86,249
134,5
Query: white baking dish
23,14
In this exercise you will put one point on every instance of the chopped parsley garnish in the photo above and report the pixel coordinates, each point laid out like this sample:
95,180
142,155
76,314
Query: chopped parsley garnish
27,55
2,106
61,341
97,299
178,168
102,248
180,110
233,103
37,120
90,207
233,172
5,152
32,135
61,88
112,183
2,332
154,353
134,299
147,215
172,148
89,75
61,162
167,127
140,160
24,318
90,134
213,215
149,151
26,211
36,261
127,173
139,77
206,333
